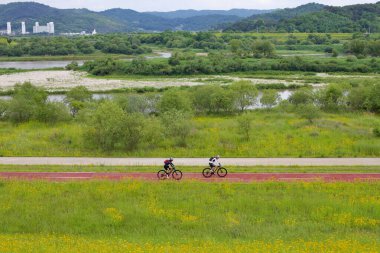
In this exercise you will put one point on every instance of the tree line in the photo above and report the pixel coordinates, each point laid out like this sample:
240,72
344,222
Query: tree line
125,121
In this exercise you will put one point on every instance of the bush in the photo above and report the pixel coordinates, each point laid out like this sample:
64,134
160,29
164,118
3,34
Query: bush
308,111
77,97
245,94
244,124
106,126
302,96
177,126
175,99
4,105
53,112
269,98
376,131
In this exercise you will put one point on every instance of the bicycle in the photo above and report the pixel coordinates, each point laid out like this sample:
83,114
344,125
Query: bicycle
163,174
220,171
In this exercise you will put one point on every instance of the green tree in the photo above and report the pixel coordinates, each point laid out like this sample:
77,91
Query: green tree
77,97
105,127
269,98
245,94
244,124
4,105
309,112
175,99
302,96
374,98
177,126
26,102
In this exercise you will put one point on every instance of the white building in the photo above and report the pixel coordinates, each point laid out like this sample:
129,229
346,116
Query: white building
49,28
9,28
23,28
94,32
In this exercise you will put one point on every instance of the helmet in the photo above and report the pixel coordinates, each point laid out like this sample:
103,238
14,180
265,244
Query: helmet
171,159
218,156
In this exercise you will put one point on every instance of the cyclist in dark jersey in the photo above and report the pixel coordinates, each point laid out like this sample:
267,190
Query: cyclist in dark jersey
168,165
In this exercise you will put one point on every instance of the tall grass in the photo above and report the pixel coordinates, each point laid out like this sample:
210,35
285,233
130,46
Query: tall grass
191,213
273,134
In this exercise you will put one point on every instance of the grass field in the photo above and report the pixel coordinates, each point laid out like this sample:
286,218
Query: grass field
136,216
273,134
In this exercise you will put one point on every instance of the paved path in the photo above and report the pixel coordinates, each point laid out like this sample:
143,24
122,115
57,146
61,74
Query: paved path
232,177
191,161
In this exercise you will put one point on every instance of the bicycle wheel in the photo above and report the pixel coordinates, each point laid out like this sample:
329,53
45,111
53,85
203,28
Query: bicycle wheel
207,172
222,172
177,175
162,175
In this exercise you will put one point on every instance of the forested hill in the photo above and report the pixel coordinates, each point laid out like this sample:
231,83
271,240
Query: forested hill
314,18
244,13
113,20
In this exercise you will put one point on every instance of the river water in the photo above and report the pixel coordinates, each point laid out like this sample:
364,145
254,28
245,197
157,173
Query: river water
28,65
284,95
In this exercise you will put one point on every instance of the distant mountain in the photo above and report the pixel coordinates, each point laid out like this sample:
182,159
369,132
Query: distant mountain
314,18
243,13
306,18
69,20
113,20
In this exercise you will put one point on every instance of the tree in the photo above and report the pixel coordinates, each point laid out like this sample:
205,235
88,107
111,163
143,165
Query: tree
26,101
269,98
245,94
244,123
308,111
176,126
374,98
175,99
331,98
105,127
4,105
77,97
302,96
53,112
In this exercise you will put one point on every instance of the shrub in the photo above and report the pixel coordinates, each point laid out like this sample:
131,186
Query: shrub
376,131
308,111
177,126
245,93
175,99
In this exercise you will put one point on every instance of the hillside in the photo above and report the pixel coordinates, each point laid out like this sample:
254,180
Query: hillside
113,20
74,20
314,18
243,13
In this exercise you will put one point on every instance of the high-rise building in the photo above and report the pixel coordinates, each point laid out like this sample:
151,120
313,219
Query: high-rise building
49,28
23,28
9,28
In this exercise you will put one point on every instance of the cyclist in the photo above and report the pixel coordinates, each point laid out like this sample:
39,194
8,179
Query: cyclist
169,166
214,162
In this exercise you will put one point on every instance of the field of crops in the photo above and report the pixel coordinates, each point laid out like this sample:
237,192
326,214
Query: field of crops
137,216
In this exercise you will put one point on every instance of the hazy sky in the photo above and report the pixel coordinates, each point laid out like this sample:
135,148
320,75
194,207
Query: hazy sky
168,5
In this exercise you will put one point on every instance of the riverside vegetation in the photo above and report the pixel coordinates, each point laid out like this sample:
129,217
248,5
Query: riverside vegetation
136,216
335,121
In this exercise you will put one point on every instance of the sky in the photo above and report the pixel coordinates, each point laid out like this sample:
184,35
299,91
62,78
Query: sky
170,5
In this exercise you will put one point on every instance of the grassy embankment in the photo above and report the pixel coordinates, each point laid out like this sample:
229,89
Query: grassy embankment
135,216
273,134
